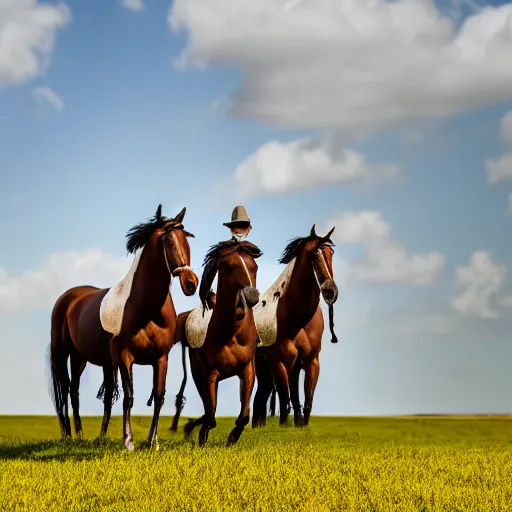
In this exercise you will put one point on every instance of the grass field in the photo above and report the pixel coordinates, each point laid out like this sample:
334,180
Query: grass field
388,464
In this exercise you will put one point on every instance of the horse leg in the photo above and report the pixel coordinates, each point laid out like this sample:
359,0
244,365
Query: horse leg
264,388
77,368
294,395
125,368
210,406
310,381
282,365
198,375
246,386
159,376
109,386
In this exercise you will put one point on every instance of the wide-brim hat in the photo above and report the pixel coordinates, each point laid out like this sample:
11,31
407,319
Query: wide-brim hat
239,216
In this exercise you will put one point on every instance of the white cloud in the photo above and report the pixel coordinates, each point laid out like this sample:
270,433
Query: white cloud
27,38
133,5
350,65
506,127
277,168
387,260
40,288
506,302
47,95
499,169
480,281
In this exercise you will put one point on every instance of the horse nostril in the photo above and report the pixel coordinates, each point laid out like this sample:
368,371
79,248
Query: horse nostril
191,287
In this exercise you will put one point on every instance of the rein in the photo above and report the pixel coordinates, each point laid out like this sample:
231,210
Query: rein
334,338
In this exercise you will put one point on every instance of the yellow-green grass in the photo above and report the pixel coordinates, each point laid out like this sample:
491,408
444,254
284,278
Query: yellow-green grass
392,464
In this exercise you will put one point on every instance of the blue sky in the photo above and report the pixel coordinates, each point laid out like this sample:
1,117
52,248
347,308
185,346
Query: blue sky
277,106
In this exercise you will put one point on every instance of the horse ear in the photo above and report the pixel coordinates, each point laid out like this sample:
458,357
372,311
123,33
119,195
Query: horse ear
179,218
158,214
313,232
328,236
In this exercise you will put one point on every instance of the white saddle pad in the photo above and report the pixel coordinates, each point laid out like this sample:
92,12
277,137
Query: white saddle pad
113,304
196,326
265,312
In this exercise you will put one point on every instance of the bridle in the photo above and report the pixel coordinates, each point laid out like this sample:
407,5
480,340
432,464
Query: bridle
178,270
323,263
246,270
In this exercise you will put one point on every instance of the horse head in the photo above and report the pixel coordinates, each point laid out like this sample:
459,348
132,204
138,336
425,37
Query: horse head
237,271
321,249
176,250
165,239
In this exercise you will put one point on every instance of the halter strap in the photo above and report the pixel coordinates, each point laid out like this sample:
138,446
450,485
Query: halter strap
246,270
178,270
324,264
167,264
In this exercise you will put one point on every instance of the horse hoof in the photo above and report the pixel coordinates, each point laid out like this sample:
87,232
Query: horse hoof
100,441
151,446
188,428
129,445
299,422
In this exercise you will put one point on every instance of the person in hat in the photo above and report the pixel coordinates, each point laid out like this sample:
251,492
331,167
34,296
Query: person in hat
240,224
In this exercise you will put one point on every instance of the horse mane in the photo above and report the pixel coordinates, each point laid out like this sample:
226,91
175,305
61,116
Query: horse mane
295,245
138,236
219,250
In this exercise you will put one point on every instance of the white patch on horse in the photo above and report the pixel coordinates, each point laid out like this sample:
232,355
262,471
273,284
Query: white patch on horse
265,312
196,326
113,304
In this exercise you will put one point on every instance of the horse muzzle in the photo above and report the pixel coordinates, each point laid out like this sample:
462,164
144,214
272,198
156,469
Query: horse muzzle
252,296
329,291
188,281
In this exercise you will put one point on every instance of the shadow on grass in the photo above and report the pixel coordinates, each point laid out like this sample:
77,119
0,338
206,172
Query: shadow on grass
79,450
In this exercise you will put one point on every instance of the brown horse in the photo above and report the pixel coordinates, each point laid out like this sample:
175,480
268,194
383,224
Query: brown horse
222,339
133,322
290,326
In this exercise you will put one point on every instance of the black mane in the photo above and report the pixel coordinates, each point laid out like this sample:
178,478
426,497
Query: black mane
138,236
215,251
296,244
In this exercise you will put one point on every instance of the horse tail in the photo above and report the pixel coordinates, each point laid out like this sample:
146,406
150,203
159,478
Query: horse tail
116,393
57,372
181,337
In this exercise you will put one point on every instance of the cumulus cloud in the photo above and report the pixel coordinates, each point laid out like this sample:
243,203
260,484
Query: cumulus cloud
506,302
39,288
499,169
386,260
350,65
277,168
506,127
28,31
133,5
48,96
480,282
